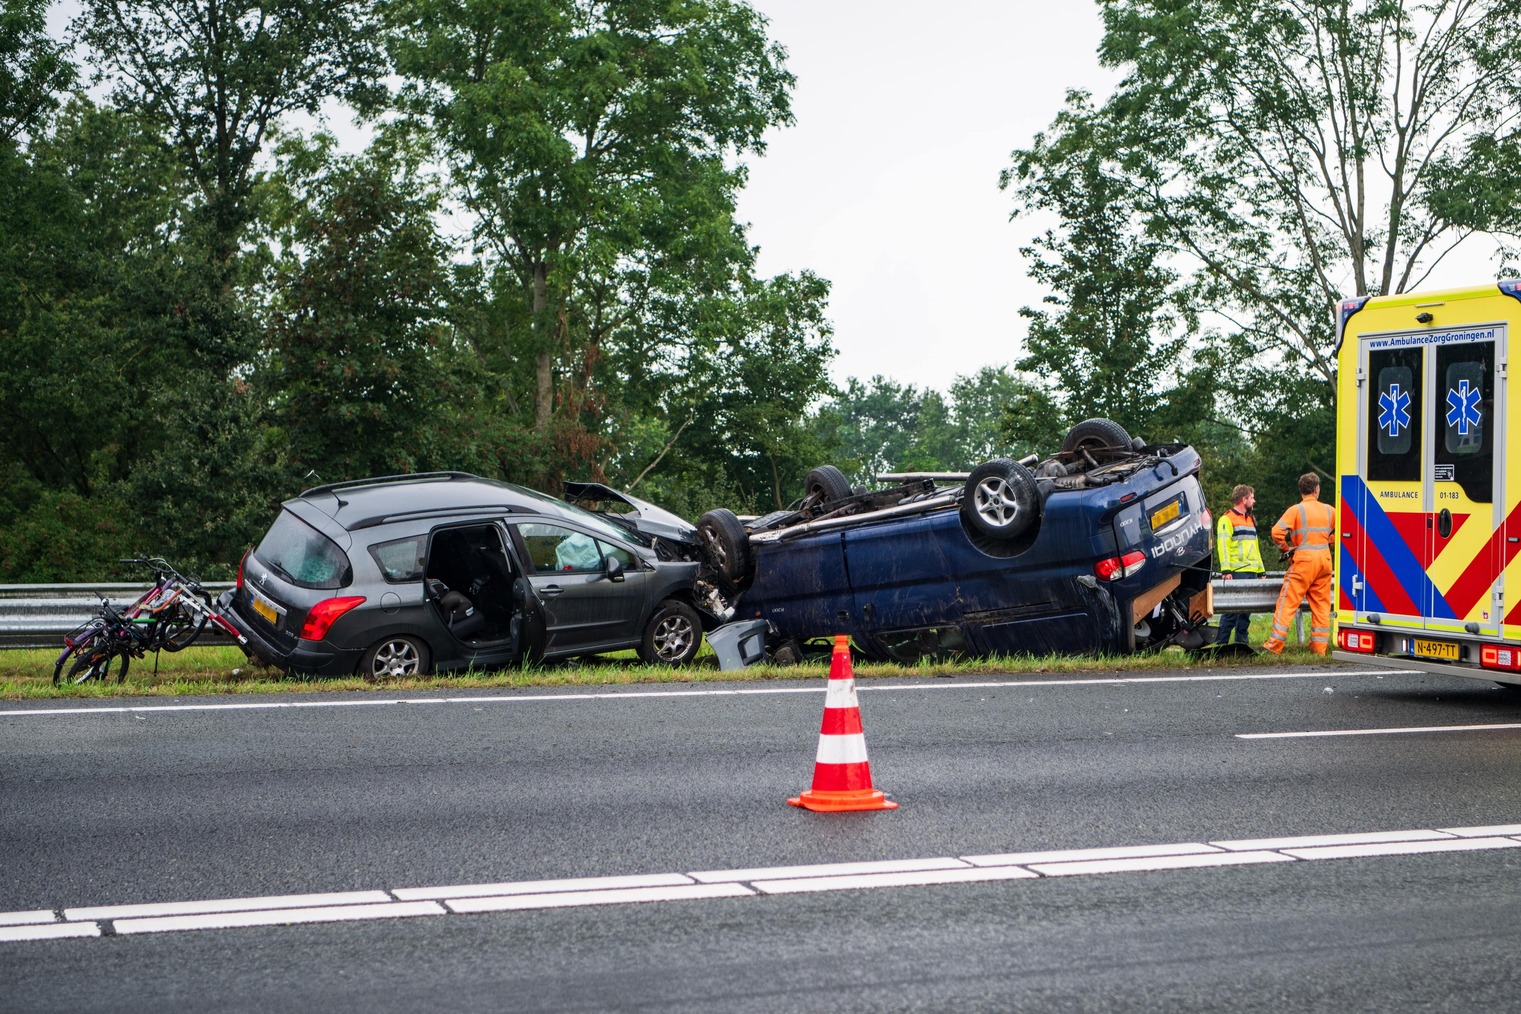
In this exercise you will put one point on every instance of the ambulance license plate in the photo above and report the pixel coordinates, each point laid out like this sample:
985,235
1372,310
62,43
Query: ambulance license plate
1434,649
1166,514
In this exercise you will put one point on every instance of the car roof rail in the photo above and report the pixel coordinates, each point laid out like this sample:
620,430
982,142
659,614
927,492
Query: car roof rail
436,512
333,487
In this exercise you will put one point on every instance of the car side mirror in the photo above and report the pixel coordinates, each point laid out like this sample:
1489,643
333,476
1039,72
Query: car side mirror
614,569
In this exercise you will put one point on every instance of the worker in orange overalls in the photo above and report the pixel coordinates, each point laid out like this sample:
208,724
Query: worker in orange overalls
1304,531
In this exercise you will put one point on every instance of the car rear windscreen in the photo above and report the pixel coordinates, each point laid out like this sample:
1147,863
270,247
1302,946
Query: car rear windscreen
303,555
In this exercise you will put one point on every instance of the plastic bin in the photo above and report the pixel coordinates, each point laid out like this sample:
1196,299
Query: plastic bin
739,644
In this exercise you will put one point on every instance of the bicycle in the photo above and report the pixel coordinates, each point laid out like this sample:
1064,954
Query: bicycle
169,616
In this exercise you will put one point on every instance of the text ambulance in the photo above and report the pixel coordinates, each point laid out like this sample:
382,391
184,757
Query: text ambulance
1429,460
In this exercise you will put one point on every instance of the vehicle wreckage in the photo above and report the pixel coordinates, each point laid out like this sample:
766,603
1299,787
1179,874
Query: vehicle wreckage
1101,548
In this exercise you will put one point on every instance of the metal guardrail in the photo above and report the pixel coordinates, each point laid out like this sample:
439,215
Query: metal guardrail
38,615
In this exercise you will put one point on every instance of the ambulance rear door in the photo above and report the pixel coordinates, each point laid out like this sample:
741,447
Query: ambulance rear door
1424,523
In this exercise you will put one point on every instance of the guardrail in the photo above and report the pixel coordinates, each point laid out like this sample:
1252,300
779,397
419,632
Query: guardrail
38,615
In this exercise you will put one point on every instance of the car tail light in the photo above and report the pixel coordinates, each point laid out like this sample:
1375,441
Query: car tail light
243,560
322,615
1117,567
1355,640
1500,656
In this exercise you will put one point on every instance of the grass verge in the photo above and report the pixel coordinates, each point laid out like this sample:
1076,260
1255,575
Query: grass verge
28,674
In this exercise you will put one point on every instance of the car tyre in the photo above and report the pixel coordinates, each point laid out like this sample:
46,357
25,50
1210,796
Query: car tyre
672,636
826,484
1091,434
1000,499
726,544
395,656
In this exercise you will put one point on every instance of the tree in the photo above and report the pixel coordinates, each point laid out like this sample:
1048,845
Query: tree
1108,342
219,74
590,141
33,68
1283,155
361,370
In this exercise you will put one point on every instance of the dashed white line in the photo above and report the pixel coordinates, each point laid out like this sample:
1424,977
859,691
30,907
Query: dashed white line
279,917
227,913
227,905
1140,864
1402,848
631,895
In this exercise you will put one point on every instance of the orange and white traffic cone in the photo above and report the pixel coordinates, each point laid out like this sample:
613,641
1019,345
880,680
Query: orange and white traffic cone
841,775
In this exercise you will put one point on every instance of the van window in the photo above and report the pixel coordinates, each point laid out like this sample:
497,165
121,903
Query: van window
1394,414
303,555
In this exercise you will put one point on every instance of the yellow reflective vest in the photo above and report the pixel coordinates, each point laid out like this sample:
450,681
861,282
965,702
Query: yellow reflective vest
1236,544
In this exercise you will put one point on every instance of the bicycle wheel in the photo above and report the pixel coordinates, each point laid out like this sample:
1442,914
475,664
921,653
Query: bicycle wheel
99,663
184,622
81,642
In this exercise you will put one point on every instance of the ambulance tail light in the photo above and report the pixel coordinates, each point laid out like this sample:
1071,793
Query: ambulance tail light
1500,656
1355,640
1117,567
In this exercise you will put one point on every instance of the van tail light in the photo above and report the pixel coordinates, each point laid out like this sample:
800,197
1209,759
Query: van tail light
322,615
1117,567
1500,656
1355,640
1207,519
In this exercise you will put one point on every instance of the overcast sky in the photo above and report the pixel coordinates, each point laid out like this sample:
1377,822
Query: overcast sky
887,184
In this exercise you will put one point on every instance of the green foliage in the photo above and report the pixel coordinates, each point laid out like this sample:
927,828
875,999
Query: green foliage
1256,163
199,325
34,69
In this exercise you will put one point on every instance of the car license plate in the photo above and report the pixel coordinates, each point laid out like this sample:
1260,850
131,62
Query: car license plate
1166,514
1434,649
265,608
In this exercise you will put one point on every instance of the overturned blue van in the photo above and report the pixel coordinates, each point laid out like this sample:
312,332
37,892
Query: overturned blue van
1103,548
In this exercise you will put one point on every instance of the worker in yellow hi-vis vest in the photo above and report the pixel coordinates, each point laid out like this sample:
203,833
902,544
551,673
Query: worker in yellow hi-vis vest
1305,532
1239,556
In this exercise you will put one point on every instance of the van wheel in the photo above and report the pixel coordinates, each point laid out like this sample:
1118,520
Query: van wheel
726,544
395,656
1000,499
673,634
1095,433
826,484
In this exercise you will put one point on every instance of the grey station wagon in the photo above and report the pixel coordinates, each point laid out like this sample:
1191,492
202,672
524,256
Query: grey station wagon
410,574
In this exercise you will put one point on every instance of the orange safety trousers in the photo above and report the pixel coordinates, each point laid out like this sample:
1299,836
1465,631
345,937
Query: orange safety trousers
1309,576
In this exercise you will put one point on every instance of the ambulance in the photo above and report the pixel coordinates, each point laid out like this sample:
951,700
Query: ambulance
1429,477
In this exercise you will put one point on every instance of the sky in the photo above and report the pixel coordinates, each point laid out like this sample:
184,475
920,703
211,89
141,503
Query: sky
887,184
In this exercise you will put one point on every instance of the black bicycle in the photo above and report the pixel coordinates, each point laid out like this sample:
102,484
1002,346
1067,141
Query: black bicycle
169,616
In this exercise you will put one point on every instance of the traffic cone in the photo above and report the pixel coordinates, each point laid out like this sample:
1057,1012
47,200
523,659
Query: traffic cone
841,775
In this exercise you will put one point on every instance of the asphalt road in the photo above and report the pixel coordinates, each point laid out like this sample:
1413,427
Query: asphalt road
132,802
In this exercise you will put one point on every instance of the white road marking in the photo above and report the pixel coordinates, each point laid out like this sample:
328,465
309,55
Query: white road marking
826,870
691,892
941,685
863,881
1141,864
26,918
1378,732
226,905
541,886
39,924
1403,848
1079,855
1306,841
1490,831
50,931
279,917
